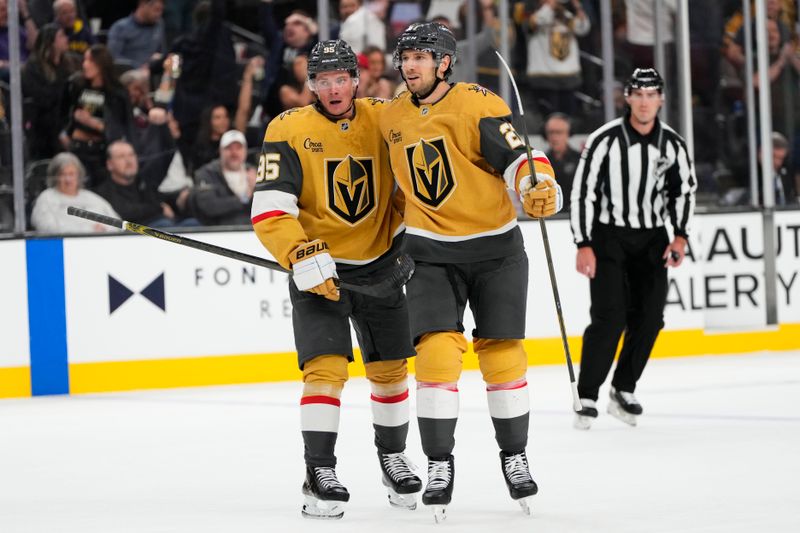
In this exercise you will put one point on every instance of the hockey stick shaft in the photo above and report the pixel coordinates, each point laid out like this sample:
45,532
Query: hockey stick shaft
377,290
173,238
576,401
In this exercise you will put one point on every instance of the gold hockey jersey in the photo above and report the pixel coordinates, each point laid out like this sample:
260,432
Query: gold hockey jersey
453,161
320,179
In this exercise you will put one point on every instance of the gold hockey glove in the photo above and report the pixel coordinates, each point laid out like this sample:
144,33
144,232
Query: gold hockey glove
543,200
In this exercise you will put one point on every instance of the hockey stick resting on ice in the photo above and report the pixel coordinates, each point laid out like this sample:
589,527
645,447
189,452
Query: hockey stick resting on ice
402,272
576,401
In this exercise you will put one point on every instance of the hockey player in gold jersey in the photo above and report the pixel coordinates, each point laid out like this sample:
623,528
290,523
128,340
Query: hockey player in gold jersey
323,207
454,153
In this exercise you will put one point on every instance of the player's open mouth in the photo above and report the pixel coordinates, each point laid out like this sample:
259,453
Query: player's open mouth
336,102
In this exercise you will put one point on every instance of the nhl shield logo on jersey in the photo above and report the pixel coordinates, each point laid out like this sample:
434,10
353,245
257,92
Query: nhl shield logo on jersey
351,187
432,176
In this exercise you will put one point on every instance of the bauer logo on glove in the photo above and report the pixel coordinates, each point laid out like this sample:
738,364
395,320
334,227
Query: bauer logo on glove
308,250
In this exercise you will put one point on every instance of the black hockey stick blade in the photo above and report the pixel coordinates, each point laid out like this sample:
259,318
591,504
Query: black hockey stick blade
402,272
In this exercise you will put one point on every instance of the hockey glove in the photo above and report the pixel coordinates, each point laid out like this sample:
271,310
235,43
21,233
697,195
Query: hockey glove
313,269
543,200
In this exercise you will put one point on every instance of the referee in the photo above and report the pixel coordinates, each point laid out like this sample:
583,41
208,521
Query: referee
634,175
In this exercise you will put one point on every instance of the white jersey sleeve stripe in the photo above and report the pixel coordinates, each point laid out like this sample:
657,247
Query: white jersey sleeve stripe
270,201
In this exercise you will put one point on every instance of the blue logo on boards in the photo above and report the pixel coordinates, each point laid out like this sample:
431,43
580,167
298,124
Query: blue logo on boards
118,293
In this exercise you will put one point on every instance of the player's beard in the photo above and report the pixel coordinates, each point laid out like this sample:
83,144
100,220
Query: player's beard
425,89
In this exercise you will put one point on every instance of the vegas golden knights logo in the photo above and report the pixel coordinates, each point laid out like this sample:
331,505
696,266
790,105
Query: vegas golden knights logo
431,174
351,187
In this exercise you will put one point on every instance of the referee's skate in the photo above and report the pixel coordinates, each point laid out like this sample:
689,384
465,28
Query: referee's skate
587,414
624,406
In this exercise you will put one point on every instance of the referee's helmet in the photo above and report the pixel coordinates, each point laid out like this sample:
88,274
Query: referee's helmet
644,78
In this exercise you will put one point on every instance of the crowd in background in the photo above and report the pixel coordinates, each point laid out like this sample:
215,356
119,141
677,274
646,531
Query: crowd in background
154,110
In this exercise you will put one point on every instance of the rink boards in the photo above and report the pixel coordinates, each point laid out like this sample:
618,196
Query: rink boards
89,314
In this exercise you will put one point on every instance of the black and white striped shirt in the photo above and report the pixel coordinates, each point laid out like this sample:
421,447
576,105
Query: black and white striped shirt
628,180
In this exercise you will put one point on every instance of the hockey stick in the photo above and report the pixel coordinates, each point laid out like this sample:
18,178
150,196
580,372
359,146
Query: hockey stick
576,401
402,272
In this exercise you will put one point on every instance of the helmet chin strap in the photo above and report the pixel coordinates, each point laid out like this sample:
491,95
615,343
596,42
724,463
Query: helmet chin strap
418,97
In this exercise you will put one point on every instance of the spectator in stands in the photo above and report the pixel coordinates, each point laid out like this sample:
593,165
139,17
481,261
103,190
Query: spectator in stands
147,111
639,16
784,182
783,75
65,180
224,187
554,69
27,37
99,112
733,41
137,83
139,38
44,81
299,35
249,120
485,42
153,138
78,32
127,190
295,92
208,63
380,85
360,26
562,156
215,121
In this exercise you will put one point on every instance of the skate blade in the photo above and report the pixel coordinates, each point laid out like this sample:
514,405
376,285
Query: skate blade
582,422
322,509
615,410
439,513
526,505
402,501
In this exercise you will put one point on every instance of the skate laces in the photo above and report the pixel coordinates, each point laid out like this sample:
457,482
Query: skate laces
439,475
516,467
397,466
326,477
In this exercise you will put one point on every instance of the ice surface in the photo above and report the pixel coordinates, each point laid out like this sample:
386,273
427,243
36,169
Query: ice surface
718,449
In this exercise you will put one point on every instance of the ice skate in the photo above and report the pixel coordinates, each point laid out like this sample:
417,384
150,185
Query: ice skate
624,406
439,490
399,478
587,414
324,495
518,478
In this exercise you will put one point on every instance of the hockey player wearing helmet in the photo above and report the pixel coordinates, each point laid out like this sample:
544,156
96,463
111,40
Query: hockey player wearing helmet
323,207
635,174
454,153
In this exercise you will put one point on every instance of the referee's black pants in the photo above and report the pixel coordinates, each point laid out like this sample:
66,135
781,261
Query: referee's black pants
629,292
